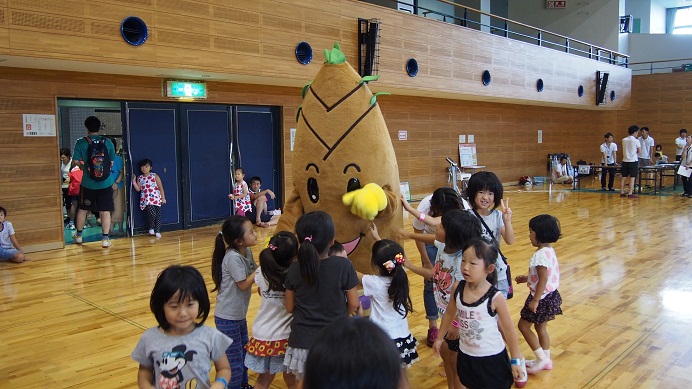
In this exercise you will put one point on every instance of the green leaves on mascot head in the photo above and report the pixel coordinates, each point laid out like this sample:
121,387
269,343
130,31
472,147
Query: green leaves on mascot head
334,56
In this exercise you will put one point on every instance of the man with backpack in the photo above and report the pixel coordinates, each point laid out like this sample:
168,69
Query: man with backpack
94,154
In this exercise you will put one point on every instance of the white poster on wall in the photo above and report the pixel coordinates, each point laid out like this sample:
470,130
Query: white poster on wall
467,154
39,125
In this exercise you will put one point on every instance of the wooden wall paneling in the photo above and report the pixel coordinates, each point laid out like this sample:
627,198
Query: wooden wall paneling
79,32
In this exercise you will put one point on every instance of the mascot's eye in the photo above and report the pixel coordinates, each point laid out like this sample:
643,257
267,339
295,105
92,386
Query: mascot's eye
313,190
353,184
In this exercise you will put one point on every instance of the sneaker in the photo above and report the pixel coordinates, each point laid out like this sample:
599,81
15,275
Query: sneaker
611,189
538,365
86,224
77,238
246,386
632,196
158,235
275,212
684,195
432,336
603,188
70,226
152,233
105,243
520,383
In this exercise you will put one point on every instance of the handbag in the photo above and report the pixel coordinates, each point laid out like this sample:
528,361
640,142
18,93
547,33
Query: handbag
510,290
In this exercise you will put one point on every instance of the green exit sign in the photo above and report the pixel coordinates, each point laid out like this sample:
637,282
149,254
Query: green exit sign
186,90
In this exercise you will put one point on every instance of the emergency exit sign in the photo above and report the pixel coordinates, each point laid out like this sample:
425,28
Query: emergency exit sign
554,4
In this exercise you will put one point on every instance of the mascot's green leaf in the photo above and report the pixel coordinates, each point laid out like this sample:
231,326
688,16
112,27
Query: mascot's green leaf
298,113
334,56
305,88
369,78
374,97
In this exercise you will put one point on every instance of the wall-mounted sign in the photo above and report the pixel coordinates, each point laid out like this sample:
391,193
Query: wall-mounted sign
186,90
38,125
403,135
555,4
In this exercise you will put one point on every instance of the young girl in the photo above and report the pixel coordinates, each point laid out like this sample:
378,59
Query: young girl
319,289
267,346
485,195
481,311
428,216
390,299
151,196
457,227
240,195
543,280
178,353
233,272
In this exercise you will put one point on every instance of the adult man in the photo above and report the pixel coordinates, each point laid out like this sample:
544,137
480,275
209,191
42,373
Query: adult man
646,148
609,158
94,195
630,166
680,144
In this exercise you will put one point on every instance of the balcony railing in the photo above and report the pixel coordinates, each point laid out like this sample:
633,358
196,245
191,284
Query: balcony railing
497,25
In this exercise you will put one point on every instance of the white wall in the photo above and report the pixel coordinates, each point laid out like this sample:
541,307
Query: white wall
595,21
657,19
640,10
658,47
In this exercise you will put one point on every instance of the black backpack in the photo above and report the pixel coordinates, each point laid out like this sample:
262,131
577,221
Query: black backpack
98,163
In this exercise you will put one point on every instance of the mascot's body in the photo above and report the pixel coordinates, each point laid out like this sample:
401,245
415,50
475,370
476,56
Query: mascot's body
344,162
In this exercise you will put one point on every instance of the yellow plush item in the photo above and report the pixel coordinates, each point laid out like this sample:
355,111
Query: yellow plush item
344,162
366,202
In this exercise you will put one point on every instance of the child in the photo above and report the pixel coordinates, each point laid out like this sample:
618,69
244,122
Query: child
259,213
457,227
485,323
75,180
337,249
151,195
267,346
240,195
485,195
428,216
9,246
233,272
353,354
543,280
178,353
390,299
319,289
560,173
660,157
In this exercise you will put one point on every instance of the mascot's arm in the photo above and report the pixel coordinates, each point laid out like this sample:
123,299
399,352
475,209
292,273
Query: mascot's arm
293,209
393,202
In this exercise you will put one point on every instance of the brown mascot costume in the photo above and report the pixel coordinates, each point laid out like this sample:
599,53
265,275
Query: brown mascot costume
343,161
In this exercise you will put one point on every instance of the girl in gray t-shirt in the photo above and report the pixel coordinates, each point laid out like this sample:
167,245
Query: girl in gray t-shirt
178,353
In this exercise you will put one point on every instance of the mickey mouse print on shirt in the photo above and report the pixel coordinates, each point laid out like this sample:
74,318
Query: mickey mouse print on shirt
171,365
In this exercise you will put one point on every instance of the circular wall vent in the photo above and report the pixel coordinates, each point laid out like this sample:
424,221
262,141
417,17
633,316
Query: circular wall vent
486,78
412,67
304,52
134,30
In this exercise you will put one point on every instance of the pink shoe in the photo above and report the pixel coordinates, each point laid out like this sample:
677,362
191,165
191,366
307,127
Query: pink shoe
534,366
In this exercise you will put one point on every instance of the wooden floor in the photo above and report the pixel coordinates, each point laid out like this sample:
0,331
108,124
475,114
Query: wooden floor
70,318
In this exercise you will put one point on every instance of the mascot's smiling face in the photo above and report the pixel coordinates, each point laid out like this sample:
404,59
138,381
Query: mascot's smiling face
341,145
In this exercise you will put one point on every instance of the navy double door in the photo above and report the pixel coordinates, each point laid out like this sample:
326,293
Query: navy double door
195,149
